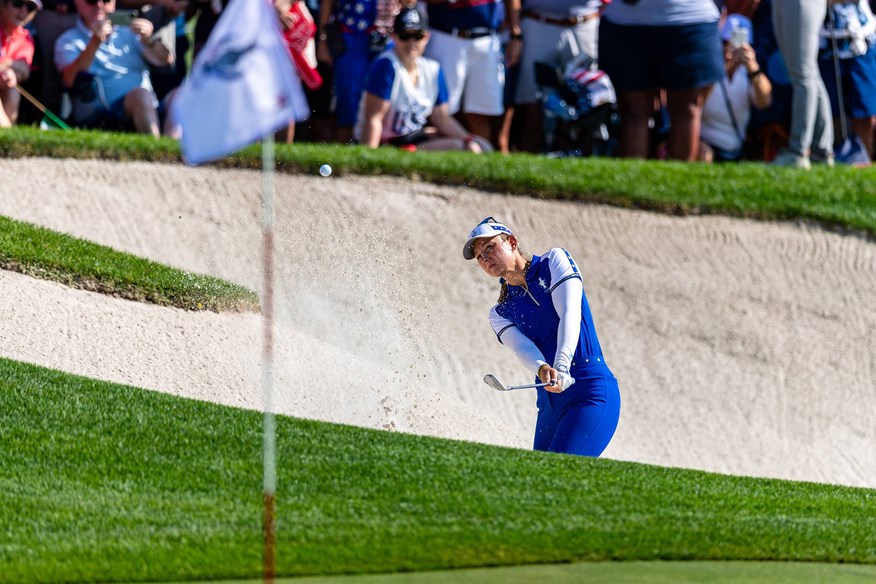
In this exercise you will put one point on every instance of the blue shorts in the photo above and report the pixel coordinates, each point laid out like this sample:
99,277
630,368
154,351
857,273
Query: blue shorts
351,73
858,76
639,58
582,419
106,118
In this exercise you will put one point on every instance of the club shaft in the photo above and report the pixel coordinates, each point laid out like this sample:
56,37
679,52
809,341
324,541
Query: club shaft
530,386
36,103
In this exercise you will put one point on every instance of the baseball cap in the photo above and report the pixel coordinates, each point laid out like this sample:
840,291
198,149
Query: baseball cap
410,19
489,227
733,22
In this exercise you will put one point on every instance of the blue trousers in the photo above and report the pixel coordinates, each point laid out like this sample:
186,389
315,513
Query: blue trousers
582,419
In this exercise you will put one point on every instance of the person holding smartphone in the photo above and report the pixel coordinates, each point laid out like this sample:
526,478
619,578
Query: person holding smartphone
106,69
727,110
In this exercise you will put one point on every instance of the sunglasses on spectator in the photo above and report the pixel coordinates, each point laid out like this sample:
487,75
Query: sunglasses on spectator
417,35
94,2
31,7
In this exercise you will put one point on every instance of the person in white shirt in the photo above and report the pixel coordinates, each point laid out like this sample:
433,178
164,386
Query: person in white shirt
728,108
405,100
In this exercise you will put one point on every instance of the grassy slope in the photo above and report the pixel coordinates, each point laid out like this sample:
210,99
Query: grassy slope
841,197
99,481
78,263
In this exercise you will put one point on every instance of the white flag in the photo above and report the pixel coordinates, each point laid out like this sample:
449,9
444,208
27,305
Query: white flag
242,85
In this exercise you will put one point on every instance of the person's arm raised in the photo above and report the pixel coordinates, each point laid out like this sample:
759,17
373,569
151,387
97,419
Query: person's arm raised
154,50
100,31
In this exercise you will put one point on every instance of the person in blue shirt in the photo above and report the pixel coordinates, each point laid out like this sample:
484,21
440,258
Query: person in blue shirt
107,68
543,315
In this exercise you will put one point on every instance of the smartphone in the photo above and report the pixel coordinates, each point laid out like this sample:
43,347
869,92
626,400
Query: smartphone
122,17
739,37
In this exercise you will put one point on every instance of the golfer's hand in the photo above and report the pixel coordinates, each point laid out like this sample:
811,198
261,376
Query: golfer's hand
564,381
549,375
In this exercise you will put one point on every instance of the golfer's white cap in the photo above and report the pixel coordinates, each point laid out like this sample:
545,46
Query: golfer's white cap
489,227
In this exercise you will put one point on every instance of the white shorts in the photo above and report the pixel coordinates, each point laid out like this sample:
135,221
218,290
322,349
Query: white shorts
474,71
556,45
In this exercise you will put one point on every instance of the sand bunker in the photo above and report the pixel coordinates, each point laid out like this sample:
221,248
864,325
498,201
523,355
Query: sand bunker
740,347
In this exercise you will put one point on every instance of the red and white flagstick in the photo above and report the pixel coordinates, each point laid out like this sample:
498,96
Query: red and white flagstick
269,439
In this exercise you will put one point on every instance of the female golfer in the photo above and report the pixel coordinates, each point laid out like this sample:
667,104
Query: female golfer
543,315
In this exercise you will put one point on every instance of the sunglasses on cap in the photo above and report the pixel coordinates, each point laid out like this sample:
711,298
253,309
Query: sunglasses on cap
31,7
416,35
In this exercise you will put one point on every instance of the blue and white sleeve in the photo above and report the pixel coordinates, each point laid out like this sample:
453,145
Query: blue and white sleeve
567,290
381,77
510,336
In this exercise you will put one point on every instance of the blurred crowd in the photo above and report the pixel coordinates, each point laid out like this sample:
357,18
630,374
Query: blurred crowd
790,82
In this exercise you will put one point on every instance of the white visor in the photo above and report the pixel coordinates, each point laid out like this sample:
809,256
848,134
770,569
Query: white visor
481,231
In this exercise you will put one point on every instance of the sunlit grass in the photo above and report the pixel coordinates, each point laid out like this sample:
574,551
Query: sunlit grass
839,197
106,482
46,254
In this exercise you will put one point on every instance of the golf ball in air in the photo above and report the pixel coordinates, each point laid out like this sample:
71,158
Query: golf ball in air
325,170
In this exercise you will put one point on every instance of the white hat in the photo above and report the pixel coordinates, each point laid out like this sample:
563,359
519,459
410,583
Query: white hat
489,227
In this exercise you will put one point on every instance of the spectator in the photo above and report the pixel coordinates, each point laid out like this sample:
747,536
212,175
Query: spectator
854,29
769,128
320,127
168,18
466,43
352,34
556,32
298,32
405,91
206,14
728,108
106,68
797,24
670,44
16,54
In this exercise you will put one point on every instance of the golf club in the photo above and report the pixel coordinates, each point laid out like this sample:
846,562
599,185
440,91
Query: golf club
36,103
493,382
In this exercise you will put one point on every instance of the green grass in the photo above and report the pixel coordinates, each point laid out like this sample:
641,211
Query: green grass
841,197
82,264
634,572
106,482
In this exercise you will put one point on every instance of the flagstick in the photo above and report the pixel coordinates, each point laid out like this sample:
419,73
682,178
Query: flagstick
269,438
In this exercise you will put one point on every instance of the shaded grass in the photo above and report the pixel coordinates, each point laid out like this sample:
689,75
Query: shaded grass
105,482
82,264
839,198
634,572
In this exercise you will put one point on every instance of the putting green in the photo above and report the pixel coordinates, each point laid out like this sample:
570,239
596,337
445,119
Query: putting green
620,573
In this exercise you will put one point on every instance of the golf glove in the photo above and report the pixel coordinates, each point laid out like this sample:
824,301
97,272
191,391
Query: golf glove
565,379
